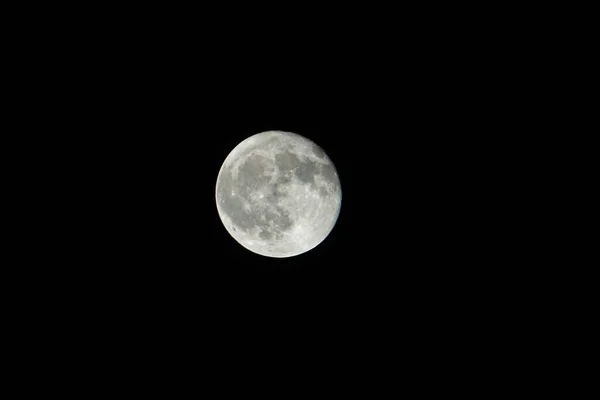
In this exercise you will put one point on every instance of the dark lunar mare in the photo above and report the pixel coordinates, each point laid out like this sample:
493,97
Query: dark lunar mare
318,151
329,174
250,177
306,171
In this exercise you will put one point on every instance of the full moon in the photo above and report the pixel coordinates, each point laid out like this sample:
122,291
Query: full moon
278,194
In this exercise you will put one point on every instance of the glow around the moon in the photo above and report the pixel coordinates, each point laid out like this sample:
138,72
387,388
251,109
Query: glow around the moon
278,194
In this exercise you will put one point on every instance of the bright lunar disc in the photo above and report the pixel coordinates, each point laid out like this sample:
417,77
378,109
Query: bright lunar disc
278,194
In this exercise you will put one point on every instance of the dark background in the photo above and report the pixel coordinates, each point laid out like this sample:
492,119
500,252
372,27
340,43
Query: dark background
141,111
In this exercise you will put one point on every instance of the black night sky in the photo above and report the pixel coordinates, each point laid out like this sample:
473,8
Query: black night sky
396,232
145,118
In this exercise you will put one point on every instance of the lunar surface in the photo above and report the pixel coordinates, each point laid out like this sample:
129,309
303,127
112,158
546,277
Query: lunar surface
278,194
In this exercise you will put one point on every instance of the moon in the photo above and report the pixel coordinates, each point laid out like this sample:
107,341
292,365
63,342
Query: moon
278,194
